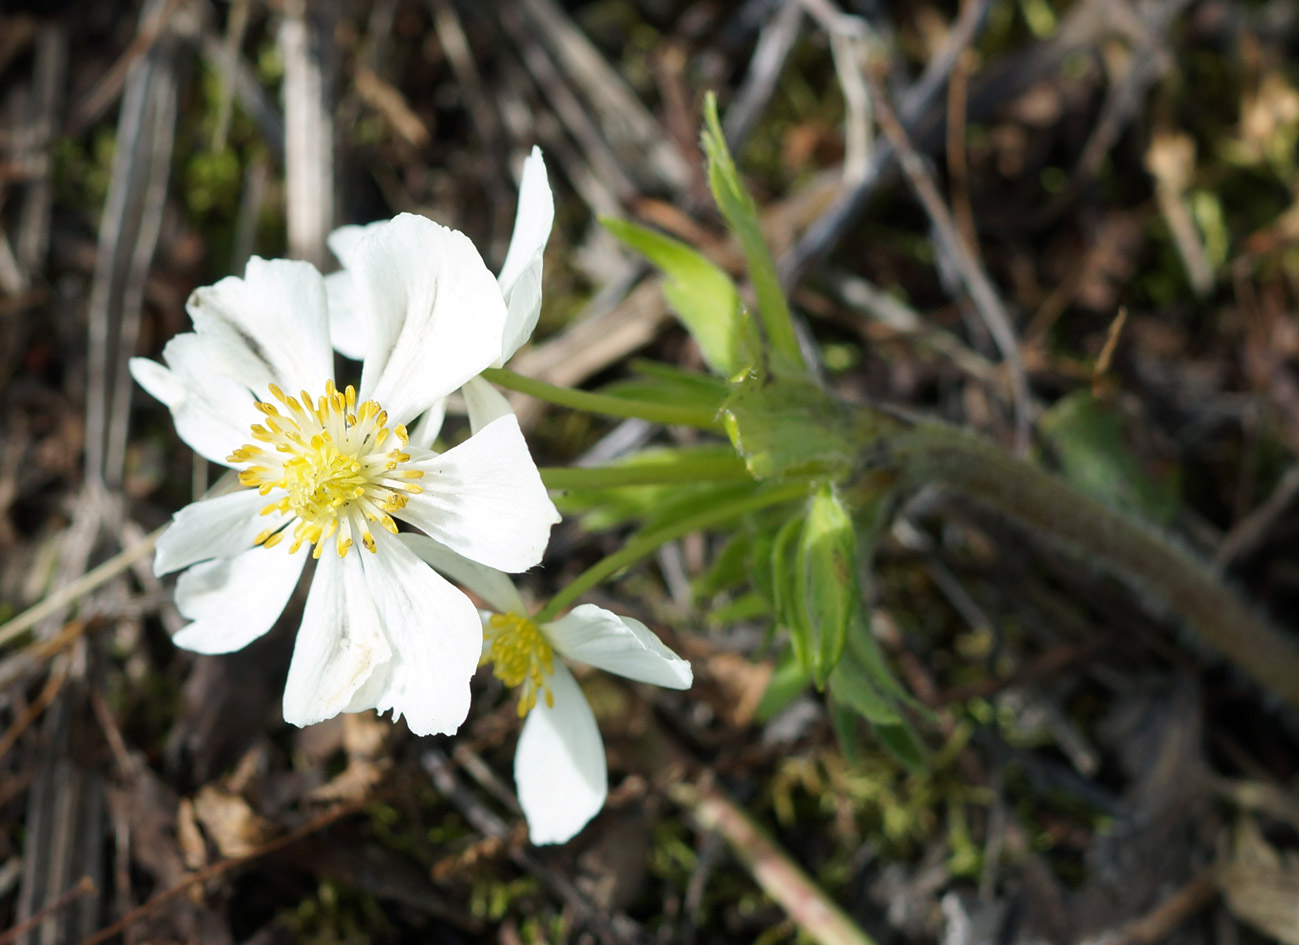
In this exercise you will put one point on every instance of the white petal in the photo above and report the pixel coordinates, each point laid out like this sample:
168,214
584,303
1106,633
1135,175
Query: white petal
213,528
233,601
484,499
435,313
217,349
344,240
520,278
484,403
619,645
532,220
212,413
488,583
429,425
523,309
279,309
347,326
339,645
435,635
559,766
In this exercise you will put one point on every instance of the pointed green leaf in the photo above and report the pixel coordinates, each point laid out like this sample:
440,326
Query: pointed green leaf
855,685
900,740
729,568
742,215
701,294
846,722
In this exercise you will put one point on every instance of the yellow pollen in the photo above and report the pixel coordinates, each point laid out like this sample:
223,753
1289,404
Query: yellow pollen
520,657
323,466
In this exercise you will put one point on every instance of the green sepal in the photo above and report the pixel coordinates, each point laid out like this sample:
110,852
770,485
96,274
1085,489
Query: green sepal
787,600
826,580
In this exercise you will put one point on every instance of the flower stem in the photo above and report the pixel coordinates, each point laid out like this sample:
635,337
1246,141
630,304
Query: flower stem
641,546
1097,535
702,417
684,467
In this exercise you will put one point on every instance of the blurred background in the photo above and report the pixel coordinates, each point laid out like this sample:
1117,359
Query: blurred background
1123,171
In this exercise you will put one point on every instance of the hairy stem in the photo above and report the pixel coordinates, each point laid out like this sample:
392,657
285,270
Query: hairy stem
1099,536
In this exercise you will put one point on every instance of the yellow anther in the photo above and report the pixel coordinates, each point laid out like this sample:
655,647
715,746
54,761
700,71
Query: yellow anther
520,656
322,466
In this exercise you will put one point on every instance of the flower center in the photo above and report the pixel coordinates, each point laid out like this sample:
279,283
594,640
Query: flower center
521,657
327,468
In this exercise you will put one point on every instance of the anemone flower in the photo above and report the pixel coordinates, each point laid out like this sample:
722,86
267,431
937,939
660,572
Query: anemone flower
559,765
252,387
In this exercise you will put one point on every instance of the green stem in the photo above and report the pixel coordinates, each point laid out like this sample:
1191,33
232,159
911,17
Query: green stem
1098,535
712,467
703,417
641,546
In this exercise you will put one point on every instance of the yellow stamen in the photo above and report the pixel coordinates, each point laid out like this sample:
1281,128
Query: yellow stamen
324,468
520,656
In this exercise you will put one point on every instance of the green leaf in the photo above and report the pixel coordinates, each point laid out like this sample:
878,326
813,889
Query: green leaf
760,568
701,294
826,580
659,383
846,722
650,506
1088,437
729,568
789,427
901,741
856,684
741,214
787,683
750,606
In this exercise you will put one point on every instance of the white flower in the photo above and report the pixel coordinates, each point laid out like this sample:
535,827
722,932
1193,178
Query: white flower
559,765
322,467
520,287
